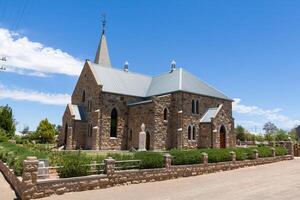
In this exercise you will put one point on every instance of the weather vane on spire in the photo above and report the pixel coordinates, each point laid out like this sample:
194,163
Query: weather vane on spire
103,22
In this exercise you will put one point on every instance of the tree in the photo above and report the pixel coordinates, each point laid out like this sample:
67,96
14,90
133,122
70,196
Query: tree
270,128
240,133
281,135
45,132
259,138
293,134
25,130
7,121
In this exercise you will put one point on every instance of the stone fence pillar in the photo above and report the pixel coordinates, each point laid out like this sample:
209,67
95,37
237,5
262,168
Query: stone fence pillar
290,147
168,161
273,152
29,177
204,158
109,167
255,154
233,156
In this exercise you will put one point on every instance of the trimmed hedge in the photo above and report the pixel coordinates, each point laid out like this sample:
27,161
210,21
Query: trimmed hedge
281,151
185,157
149,160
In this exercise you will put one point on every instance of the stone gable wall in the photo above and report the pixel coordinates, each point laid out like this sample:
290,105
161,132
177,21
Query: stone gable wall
223,119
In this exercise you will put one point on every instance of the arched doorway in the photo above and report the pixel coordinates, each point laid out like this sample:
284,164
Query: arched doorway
66,135
222,137
147,141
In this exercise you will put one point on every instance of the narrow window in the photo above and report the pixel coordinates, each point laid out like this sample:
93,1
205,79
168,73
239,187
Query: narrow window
89,105
165,114
113,123
83,96
189,133
90,130
194,133
197,107
193,106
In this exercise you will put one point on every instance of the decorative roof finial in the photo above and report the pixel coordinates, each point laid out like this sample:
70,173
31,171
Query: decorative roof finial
126,65
103,22
173,65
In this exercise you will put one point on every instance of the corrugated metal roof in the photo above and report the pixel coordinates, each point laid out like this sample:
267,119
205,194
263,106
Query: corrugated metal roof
210,113
134,84
79,112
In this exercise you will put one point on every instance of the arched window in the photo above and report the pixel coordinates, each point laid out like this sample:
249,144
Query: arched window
193,106
83,96
113,123
165,114
189,133
194,133
197,107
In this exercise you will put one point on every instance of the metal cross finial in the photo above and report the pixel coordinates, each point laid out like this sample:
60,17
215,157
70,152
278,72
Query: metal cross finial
103,22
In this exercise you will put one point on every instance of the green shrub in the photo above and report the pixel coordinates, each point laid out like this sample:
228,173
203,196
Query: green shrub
149,159
121,156
242,153
281,151
74,165
264,152
185,157
218,155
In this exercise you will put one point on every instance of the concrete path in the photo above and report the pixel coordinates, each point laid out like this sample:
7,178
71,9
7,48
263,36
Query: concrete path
6,192
273,181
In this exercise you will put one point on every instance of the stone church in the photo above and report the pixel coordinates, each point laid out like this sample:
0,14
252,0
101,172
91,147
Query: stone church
179,110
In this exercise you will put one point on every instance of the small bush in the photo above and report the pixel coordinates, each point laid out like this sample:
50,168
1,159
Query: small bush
149,160
281,151
218,155
73,165
186,157
264,152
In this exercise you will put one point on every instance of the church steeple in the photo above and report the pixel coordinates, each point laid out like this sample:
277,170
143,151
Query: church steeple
102,55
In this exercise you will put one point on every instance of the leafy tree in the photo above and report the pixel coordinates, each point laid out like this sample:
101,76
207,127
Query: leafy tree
270,128
293,134
249,136
7,122
25,130
281,135
240,133
259,138
45,132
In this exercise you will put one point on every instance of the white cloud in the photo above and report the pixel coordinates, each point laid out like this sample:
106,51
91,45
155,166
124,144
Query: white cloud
273,115
24,54
34,96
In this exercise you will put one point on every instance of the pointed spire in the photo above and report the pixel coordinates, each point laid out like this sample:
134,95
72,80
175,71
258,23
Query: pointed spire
102,55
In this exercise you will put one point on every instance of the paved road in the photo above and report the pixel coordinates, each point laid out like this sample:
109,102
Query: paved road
273,181
6,192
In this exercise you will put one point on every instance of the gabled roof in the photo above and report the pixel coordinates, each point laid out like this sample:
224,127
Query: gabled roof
210,113
78,112
129,83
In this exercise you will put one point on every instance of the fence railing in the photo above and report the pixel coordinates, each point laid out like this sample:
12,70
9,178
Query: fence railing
52,172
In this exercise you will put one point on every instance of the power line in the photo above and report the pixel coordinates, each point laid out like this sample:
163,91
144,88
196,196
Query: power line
19,20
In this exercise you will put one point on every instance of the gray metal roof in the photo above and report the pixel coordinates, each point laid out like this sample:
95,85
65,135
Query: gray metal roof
134,84
78,112
210,113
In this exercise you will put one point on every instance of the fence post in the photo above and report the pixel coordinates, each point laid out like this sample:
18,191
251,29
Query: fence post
109,167
204,158
255,154
29,177
273,152
290,147
168,161
233,156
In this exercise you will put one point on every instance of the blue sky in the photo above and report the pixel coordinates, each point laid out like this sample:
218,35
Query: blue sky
247,49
